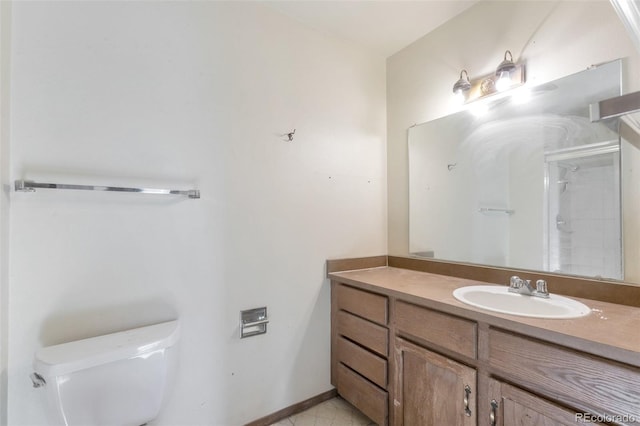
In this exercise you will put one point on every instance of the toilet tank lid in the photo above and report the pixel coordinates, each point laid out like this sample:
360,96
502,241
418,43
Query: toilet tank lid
74,356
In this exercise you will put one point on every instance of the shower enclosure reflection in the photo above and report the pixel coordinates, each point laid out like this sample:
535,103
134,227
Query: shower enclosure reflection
531,183
583,224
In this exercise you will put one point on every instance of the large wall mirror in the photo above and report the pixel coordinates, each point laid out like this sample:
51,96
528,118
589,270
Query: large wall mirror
526,180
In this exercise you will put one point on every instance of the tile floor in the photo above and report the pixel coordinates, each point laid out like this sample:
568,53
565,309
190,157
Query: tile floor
334,412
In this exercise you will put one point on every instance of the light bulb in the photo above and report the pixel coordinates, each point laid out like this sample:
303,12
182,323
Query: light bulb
503,82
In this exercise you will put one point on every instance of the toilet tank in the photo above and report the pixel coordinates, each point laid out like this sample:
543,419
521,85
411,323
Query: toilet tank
115,379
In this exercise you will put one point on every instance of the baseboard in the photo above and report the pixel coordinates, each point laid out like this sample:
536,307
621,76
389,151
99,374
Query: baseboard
293,409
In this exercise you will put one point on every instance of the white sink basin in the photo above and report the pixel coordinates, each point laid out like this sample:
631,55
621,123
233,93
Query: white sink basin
498,299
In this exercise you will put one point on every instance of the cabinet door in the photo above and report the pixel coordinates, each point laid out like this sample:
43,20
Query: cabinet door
432,390
511,406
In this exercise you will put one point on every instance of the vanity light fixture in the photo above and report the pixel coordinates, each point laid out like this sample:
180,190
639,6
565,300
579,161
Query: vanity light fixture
503,72
507,76
462,86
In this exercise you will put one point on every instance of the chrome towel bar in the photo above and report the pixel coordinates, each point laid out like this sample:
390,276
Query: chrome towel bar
30,186
492,210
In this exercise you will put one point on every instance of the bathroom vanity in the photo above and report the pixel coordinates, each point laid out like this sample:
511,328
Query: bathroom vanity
406,352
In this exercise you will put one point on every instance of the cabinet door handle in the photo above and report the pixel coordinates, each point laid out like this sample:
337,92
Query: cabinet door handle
493,413
467,393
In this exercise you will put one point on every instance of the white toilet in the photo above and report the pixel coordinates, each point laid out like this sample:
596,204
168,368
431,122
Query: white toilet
117,379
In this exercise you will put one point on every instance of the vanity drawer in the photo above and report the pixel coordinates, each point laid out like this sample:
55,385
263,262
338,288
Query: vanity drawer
449,332
364,362
373,307
584,381
366,397
367,334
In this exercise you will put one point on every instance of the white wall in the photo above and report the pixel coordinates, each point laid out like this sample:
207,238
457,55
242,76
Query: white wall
554,38
190,94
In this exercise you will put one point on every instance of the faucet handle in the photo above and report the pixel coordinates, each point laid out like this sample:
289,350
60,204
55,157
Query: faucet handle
515,282
541,287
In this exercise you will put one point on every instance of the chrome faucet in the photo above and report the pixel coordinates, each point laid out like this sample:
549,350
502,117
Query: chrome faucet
520,286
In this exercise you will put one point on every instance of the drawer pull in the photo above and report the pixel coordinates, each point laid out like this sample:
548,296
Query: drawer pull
494,411
467,393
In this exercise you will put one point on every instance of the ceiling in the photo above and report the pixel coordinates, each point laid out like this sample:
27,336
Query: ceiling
381,26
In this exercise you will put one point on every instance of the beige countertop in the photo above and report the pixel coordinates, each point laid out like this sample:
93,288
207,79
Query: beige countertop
610,330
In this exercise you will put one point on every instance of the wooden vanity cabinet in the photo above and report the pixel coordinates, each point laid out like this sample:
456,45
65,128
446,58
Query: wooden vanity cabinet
511,406
431,389
593,385
405,364
359,349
